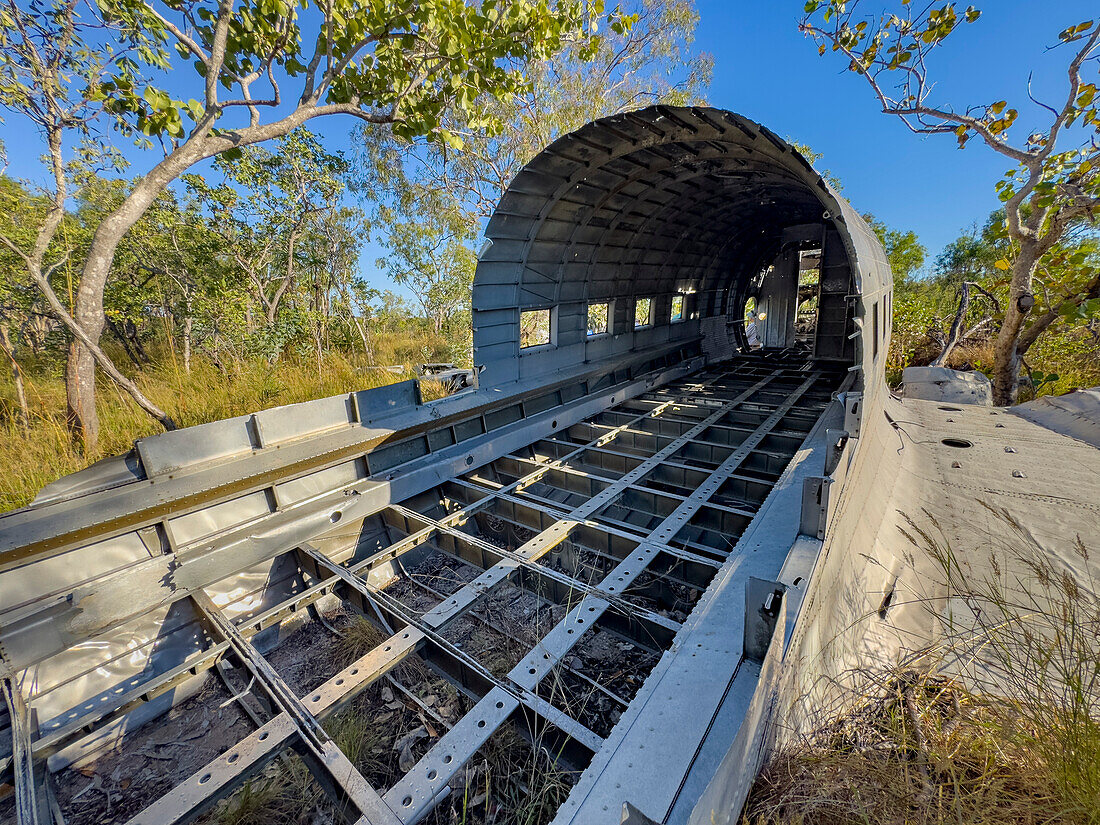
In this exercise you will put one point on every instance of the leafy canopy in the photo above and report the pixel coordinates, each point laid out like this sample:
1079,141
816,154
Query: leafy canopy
398,61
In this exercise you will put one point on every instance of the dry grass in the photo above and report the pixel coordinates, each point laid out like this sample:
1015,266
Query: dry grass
46,452
924,752
1011,736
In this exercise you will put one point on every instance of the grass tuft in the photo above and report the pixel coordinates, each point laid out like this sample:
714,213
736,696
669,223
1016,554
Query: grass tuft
924,751
997,723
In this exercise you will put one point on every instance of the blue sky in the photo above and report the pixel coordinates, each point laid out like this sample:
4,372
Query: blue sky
766,70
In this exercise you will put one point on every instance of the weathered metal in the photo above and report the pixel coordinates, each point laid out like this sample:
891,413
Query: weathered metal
652,451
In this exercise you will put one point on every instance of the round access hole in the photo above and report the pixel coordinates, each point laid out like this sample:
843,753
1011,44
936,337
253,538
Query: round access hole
960,443
951,409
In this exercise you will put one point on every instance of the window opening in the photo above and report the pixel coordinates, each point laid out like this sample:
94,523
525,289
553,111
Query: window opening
809,283
534,328
598,315
874,346
677,313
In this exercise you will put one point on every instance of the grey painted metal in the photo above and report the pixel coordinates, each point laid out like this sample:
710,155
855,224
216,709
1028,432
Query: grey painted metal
26,796
186,800
652,204
557,643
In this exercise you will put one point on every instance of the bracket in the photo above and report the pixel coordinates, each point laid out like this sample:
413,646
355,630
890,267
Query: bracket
815,506
763,608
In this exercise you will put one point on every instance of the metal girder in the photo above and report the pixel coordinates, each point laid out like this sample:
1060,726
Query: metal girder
27,802
625,553
329,764
415,792
543,708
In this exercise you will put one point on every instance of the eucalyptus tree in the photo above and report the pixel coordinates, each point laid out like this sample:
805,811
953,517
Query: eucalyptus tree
193,79
1055,181
431,196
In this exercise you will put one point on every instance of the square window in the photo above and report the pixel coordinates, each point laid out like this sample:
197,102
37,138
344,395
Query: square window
534,328
597,318
643,307
677,308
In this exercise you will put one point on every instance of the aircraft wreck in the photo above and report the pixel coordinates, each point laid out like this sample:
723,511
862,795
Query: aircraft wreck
629,547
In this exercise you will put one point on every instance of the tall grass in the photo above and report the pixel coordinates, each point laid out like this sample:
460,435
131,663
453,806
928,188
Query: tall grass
1023,626
34,457
997,722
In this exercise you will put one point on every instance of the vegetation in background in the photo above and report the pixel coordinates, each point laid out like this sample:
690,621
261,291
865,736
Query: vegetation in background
79,70
43,451
948,314
1053,188
432,198
216,281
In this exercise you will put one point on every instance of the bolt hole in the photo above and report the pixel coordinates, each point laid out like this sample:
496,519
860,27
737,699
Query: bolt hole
335,517
432,775
447,759
407,801
959,443
233,757
469,460
264,735
205,778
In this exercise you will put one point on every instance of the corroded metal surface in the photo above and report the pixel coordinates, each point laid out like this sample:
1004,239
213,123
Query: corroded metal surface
618,489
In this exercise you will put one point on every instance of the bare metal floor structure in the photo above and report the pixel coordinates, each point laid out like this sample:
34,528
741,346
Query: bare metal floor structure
593,549
613,527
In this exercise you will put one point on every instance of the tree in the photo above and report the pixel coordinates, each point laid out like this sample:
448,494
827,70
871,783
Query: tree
645,58
266,204
430,254
1051,188
812,158
76,68
330,250
904,251
431,197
